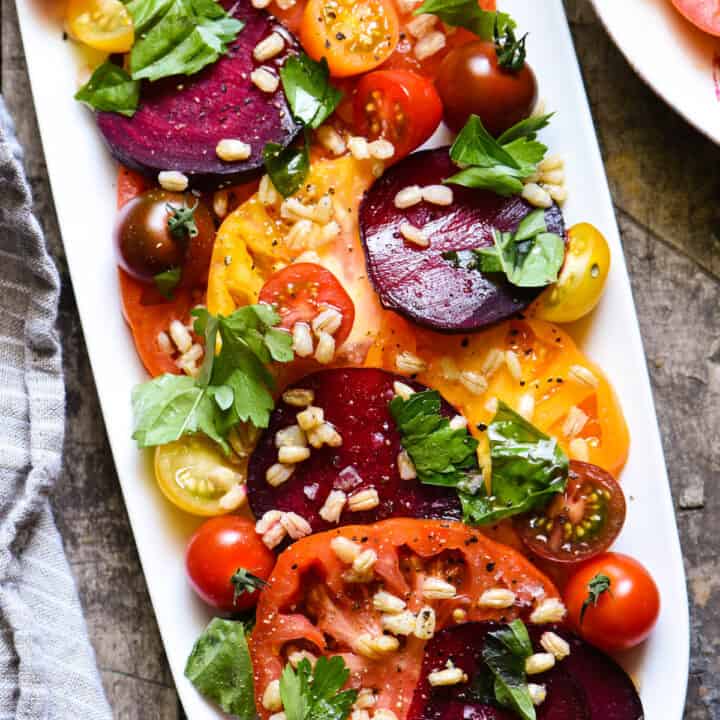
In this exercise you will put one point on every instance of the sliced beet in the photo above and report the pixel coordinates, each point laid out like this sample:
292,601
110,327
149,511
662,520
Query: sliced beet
587,685
417,281
181,119
355,401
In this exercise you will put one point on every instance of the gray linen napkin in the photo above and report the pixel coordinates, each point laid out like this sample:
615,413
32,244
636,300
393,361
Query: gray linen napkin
47,666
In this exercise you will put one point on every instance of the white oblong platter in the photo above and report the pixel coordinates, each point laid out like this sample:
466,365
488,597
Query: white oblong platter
678,60
82,176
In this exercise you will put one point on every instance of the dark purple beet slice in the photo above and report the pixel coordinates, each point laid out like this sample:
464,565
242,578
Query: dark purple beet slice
355,401
418,282
588,685
181,119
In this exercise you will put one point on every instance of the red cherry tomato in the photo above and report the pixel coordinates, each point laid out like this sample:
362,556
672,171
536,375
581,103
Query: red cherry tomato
397,105
301,291
624,614
580,523
223,557
703,13
470,81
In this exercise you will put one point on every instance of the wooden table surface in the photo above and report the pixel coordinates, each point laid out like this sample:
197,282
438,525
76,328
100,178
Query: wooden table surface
665,179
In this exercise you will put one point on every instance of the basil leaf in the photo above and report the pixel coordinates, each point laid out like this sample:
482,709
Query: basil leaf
220,668
501,180
467,14
178,37
307,87
475,146
442,456
527,128
528,468
287,167
167,281
110,89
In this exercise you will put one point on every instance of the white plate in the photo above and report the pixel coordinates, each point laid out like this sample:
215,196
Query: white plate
83,181
679,61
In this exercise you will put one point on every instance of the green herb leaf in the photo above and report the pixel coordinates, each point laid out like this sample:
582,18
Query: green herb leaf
528,468
220,668
529,257
505,652
243,581
181,220
497,165
110,89
178,37
596,587
167,281
287,167
232,386
467,14
311,693
441,455
308,90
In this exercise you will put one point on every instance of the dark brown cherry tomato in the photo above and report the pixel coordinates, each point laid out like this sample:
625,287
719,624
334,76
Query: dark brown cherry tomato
580,523
147,247
397,105
227,563
622,615
470,81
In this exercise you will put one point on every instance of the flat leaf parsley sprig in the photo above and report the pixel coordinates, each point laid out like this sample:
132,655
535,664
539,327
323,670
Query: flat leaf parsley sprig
232,386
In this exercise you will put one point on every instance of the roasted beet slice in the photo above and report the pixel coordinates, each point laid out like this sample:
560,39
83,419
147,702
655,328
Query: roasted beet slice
417,281
181,119
355,401
587,685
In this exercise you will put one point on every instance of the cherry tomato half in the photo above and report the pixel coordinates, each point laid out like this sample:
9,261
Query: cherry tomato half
353,35
470,81
148,244
397,105
580,523
582,278
625,613
101,24
301,291
227,563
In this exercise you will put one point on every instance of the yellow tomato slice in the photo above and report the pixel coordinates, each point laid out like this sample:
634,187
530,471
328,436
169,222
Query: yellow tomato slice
195,475
581,282
102,24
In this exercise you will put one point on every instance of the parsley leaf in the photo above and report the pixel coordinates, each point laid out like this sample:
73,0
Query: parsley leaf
441,455
178,37
528,467
311,693
596,587
467,14
110,89
287,167
308,90
243,581
167,281
181,220
497,165
220,668
505,652
232,387
529,257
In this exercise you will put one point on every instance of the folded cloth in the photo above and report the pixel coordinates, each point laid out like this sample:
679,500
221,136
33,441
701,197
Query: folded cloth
47,666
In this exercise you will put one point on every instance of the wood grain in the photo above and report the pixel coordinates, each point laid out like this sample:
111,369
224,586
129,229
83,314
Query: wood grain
665,179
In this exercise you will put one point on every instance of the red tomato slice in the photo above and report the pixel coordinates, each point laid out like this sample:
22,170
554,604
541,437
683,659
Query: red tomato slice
703,13
579,524
310,604
397,105
302,290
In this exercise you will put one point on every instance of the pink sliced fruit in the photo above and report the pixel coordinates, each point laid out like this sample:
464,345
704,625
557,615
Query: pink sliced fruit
418,282
587,685
355,401
181,119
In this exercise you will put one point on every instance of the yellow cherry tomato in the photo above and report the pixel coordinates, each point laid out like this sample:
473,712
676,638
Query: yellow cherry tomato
582,279
195,475
102,24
